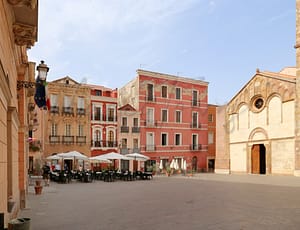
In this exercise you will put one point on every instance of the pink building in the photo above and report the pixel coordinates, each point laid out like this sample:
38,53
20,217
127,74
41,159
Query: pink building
173,118
103,120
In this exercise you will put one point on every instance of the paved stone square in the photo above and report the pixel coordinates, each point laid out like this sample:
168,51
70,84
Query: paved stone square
206,201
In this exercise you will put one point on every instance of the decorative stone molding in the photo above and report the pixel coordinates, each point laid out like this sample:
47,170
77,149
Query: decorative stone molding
24,34
29,3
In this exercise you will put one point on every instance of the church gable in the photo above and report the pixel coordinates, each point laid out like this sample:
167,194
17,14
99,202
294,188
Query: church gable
127,107
260,89
66,80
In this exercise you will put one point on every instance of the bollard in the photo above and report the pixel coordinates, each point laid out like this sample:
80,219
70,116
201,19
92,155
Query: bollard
19,224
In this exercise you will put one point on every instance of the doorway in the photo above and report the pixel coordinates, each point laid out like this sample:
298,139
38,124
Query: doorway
258,159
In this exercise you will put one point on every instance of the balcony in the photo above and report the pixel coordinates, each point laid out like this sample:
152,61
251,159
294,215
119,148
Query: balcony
135,129
195,125
96,144
68,111
80,111
150,147
54,139
104,144
124,129
150,98
196,147
195,103
81,139
150,123
54,109
68,140
124,150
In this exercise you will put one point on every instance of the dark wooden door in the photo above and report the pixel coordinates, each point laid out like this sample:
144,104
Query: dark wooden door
255,156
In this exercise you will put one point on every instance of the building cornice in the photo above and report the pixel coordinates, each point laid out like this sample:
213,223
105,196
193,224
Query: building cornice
28,3
171,77
24,34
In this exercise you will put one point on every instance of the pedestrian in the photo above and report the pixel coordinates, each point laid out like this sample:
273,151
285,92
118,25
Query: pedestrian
46,174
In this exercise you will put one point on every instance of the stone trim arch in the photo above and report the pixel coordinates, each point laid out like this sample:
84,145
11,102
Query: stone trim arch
258,130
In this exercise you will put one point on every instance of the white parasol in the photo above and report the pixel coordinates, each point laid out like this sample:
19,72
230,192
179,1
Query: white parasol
161,165
137,156
172,164
115,156
53,157
99,159
73,154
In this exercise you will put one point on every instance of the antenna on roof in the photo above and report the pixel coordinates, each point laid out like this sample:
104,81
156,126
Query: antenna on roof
83,80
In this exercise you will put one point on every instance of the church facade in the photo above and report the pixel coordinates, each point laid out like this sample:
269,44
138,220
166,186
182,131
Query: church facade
257,134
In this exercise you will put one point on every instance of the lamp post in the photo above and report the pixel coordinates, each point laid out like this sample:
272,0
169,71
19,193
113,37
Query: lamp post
40,82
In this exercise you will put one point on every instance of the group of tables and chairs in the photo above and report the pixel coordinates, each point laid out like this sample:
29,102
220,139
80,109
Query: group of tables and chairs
64,176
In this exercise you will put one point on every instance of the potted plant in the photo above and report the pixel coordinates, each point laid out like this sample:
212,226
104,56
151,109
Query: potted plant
168,170
38,173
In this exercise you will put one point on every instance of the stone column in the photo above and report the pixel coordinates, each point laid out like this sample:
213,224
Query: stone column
297,99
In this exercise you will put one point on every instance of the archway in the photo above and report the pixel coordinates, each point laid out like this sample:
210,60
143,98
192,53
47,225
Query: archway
258,159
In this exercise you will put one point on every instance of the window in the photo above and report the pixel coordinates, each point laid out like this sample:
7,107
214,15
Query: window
195,142
164,115
110,114
124,121
96,113
178,93
53,100
135,143
80,130
150,96
195,98
210,137
67,101
98,92
164,139
150,116
124,143
178,116
177,139
80,103
68,130
164,91
210,118
195,120
54,129
150,142
135,122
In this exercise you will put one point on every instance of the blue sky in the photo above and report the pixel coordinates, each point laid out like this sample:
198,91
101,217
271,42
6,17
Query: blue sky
219,41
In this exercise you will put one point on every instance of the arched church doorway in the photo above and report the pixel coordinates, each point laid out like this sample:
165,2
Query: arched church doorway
258,159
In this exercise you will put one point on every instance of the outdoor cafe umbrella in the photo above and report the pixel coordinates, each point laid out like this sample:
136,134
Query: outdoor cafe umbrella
114,156
53,157
137,156
161,165
73,155
99,159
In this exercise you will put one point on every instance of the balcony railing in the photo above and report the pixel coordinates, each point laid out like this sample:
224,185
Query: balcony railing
68,110
81,139
80,111
150,147
195,147
124,150
124,129
54,109
68,139
195,103
104,144
195,125
135,129
54,139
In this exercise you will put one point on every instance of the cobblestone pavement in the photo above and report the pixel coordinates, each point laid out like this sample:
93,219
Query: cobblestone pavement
204,201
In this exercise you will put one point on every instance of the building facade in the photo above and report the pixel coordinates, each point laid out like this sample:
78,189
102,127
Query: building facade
18,31
129,134
260,126
103,120
66,123
211,153
172,117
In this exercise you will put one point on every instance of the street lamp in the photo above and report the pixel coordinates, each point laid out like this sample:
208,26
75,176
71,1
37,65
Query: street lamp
42,69
40,83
